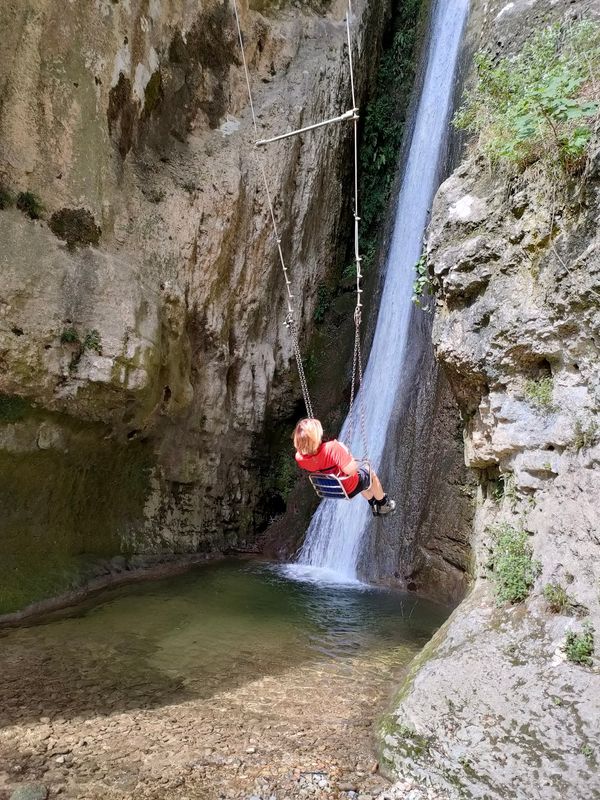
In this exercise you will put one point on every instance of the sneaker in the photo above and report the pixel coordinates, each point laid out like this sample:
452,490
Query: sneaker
387,507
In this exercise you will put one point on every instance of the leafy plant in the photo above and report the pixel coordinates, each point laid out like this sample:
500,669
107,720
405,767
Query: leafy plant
92,341
557,598
540,103
69,336
579,647
422,287
539,393
513,568
30,204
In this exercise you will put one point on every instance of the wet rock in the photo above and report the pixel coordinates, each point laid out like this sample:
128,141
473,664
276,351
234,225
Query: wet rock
517,332
162,318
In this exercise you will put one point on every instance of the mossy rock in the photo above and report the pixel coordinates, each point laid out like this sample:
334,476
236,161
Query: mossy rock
12,408
30,204
64,510
76,226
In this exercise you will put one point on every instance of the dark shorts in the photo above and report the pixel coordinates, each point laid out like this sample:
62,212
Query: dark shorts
364,480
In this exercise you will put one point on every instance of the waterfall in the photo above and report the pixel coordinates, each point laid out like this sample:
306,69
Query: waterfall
334,539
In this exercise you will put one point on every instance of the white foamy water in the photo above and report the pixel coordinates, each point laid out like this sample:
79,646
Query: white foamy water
333,542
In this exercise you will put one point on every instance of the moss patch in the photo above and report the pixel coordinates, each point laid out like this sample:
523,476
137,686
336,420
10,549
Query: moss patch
76,226
61,511
30,204
12,408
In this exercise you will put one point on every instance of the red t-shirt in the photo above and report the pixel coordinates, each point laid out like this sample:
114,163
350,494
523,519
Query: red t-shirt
331,457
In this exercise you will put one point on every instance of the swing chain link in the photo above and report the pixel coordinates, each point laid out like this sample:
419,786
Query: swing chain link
357,370
290,324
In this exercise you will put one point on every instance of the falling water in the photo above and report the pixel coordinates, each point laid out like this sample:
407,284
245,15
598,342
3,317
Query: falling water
333,542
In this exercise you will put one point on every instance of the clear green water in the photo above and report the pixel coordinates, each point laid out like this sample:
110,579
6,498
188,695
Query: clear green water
199,634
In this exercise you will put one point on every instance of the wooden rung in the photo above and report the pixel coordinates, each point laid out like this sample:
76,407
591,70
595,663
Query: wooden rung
351,114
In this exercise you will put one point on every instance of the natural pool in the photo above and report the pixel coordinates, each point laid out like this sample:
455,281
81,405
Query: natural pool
213,681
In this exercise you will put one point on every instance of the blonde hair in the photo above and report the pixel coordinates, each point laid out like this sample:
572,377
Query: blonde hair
308,436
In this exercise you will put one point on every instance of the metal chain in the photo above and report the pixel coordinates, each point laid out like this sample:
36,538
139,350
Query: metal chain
290,324
361,405
357,370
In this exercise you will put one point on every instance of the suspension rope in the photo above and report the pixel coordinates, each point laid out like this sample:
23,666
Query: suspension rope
357,356
290,321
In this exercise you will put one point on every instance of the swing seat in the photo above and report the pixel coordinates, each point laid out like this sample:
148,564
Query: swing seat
331,487
328,487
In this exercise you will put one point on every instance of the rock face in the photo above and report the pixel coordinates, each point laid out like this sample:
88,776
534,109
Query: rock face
130,315
494,708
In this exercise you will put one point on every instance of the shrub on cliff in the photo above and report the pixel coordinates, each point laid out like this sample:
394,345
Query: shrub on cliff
513,568
30,204
541,103
579,647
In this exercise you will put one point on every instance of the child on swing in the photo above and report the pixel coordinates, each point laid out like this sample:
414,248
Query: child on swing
315,455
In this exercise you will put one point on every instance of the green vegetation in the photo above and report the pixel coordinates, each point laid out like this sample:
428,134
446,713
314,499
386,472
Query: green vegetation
557,598
325,296
579,647
585,434
513,568
92,341
505,486
30,204
6,198
284,475
384,127
69,336
89,341
539,394
540,104
412,743
12,408
422,287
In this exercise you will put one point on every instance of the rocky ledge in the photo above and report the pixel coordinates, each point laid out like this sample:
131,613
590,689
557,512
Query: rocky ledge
505,701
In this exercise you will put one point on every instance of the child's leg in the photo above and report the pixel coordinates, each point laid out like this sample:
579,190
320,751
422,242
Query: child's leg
376,490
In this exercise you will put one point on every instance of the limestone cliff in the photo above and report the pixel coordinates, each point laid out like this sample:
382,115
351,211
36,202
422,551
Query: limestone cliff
494,708
141,311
